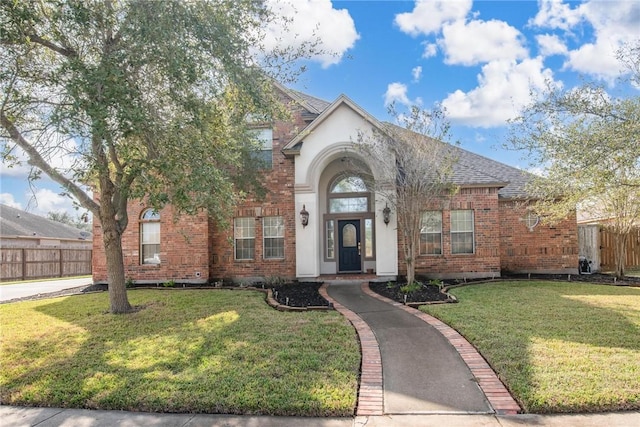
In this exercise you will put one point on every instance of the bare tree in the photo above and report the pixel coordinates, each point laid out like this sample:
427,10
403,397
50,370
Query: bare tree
412,169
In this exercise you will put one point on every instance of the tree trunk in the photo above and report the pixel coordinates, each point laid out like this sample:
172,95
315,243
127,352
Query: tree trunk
112,239
620,252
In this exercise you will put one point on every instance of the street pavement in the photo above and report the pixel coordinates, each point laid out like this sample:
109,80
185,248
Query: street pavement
28,289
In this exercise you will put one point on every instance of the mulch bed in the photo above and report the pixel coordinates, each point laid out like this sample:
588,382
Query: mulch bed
299,294
426,293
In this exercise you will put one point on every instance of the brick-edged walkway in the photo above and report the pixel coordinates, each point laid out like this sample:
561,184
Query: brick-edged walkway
370,397
497,395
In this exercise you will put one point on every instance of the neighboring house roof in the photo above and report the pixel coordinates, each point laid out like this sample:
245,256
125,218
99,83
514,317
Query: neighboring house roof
15,222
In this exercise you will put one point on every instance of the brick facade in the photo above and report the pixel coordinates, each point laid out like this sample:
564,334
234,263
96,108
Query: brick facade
195,249
184,248
545,248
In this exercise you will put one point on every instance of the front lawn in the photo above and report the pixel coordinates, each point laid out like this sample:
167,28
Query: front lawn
558,346
203,351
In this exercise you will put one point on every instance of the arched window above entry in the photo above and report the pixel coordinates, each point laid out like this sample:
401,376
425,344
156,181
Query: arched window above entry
348,194
349,184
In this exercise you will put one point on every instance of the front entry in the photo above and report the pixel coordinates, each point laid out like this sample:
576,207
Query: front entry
349,246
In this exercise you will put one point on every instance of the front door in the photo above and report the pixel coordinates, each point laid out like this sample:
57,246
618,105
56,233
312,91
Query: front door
349,246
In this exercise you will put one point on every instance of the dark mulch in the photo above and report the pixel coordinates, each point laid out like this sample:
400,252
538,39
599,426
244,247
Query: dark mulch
391,290
299,294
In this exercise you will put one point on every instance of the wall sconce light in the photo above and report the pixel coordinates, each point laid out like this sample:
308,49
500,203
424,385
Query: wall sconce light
304,217
386,214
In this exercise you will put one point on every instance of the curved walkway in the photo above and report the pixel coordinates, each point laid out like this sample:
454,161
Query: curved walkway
426,367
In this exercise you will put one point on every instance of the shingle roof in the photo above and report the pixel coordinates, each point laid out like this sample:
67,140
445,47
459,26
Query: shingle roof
315,105
472,169
15,222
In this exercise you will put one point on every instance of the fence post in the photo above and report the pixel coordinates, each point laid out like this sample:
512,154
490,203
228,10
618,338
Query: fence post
61,263
24,264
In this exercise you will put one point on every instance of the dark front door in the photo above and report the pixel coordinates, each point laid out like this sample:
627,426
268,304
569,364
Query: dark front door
349,246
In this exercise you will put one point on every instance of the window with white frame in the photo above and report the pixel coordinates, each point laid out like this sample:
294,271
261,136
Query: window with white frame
462,239
431,233
244,233
150,237
265,140
273,237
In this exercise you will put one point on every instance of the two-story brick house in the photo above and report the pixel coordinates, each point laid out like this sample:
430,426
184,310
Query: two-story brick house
483,231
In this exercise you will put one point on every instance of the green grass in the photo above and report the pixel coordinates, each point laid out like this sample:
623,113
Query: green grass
559,347
186,351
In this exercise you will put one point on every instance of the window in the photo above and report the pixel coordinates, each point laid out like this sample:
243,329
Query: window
531,220
330,239
244,238
431,233
368,238
265,140
346,195
273,236
462,232
150,237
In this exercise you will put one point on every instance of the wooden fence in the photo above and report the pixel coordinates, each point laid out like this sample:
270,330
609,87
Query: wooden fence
607,249
43,263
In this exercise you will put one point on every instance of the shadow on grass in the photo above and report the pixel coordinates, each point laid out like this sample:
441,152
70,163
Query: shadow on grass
186,351
559,347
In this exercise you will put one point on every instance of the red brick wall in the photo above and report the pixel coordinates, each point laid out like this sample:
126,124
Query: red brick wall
209,248
279,201
485,262
546,248
183,248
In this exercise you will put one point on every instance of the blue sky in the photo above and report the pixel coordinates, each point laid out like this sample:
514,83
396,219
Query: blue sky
479,59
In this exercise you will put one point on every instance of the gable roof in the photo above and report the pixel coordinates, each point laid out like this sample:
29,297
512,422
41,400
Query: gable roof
17,223
470,169
295,144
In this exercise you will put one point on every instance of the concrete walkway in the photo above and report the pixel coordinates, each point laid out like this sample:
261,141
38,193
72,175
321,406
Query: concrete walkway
422,372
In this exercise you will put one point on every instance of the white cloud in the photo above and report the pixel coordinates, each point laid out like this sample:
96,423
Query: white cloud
45,201
492,40
396,92
504,87
416,72
556,15
614,24
550,44
430,50
311,21
428,16
9,200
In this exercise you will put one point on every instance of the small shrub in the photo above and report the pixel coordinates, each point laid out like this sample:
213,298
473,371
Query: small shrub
437,282
169,284
410,287
130,283
391,285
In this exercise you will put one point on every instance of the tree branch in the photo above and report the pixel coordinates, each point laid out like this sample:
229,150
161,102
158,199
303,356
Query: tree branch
36,160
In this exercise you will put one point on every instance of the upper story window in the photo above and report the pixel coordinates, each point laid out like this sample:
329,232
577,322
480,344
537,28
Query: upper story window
348,194
150,237
264,137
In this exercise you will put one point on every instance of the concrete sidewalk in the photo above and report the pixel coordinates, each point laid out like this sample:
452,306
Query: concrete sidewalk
12,416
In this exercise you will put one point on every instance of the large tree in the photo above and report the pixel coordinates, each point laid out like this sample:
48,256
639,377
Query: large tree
142,99
588,143
412,169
